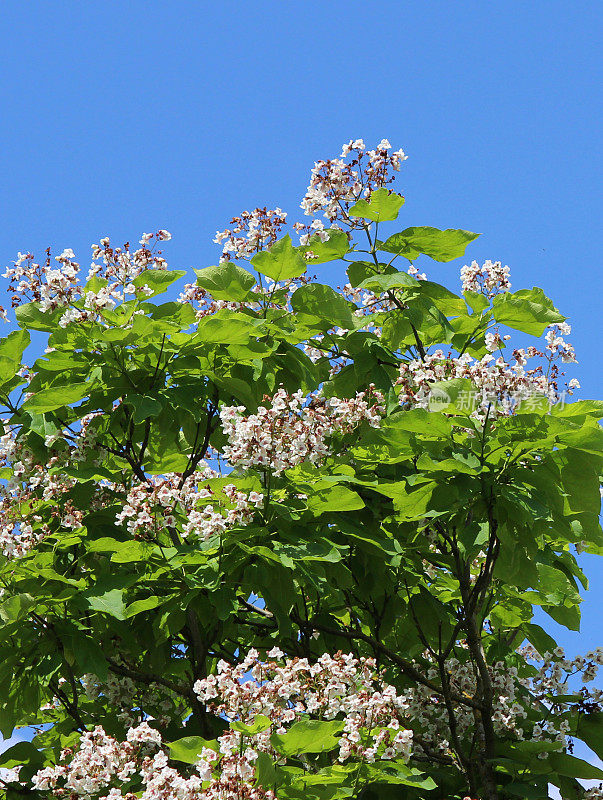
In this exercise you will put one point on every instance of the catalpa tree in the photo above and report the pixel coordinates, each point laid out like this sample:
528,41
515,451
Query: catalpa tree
277,540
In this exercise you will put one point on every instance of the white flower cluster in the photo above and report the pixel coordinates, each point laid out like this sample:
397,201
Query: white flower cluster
164,501
20,530
494,341
335,184
99,761
293,429
315,228
498,385
33,481
105,768
489,279
338,686
133,700
60,287
551,688
522,705
556,344
270,295
251,232
427,712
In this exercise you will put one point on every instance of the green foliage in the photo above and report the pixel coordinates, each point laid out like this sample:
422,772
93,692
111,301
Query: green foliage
383,206
433,535
439,245
308,736
282,261
226,282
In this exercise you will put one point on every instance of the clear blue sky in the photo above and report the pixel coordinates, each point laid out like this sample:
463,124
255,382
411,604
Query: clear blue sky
123,117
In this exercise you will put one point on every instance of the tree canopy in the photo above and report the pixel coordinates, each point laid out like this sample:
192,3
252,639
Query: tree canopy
269,538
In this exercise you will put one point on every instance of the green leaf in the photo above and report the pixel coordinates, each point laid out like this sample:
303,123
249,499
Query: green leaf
564,615
138,606
386,283
437,244
528,310
129,551
265,771
189,748
592,408
308,736
419,421
325,303
445,300
336,246
457,395
57,396
30,316
360,270
382,206
260,723
158,279
145,406
225,327
281,262
573,767
21,753
180,314
16,607
526,792
227,281
90,657
109,602
411,504
476,301
13,345
334,498
590,730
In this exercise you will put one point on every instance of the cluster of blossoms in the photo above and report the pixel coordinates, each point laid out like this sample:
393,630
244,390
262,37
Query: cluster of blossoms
373,717
204,305
336,184
338,687
99,761
522,700
30,482
77,445
109,769
270,295
335,687
498,387
133,700
315,228
427,712
114,269
489,279
556,344
293,429
33,483
164,501
367,301
551,686
251,232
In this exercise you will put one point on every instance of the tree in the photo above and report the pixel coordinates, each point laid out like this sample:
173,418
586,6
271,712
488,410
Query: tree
274,539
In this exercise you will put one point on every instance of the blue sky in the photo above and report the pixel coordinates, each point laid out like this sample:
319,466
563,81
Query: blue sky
123,117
